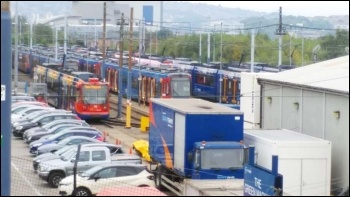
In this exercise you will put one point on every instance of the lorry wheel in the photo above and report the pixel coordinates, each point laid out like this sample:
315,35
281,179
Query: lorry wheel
54,179
158,180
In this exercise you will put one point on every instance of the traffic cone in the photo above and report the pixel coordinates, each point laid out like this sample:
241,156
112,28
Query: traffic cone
117,141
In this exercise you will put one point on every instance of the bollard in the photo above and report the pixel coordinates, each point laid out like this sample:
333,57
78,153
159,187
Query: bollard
144,124
128,115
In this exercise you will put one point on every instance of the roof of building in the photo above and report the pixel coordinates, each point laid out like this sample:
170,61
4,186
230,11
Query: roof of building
331,75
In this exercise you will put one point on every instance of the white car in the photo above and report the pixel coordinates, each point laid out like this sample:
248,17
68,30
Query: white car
97,178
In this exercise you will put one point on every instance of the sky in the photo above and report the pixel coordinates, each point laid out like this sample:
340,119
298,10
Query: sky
296,8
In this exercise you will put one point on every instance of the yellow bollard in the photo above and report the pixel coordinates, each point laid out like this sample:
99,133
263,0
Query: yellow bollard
144,124
128,115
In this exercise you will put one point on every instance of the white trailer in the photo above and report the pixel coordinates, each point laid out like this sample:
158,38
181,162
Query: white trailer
304,161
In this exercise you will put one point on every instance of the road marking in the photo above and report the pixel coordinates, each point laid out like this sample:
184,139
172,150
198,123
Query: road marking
26,180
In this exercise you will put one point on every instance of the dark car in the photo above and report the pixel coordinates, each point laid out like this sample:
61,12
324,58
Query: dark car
55,123
37,135
40,121
74,128
72,140
62,135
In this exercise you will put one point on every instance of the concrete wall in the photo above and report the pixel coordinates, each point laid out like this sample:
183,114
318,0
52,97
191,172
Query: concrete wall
313,113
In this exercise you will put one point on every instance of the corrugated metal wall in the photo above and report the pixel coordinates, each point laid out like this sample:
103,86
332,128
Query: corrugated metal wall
313,113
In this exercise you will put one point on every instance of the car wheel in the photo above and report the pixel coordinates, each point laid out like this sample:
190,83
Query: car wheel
54,179
16,134
158,180
81,192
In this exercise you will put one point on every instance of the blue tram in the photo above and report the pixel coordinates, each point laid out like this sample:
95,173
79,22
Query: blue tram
147,82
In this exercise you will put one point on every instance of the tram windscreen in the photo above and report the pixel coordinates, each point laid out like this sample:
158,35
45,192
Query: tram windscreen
95,94
181,87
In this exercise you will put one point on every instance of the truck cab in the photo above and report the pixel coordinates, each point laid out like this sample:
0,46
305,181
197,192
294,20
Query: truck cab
217,160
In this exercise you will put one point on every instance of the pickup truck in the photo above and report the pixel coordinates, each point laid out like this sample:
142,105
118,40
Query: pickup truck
53,171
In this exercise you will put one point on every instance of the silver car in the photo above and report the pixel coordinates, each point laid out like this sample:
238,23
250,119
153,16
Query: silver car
73,140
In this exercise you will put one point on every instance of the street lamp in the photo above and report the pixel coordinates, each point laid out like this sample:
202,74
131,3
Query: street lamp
220,61
302,43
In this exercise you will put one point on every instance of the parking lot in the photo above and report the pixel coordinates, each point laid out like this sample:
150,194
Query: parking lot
24,181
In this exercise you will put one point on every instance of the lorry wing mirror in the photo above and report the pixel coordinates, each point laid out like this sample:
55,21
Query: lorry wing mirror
190,156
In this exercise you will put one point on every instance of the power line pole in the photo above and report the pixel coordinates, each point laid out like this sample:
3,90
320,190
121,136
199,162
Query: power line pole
252,51
140,51
128,108
220,62
280,31
120,81
104,40
200,46
6,78
16,49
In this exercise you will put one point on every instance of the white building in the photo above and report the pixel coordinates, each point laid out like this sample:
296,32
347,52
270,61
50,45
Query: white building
313,100
150,11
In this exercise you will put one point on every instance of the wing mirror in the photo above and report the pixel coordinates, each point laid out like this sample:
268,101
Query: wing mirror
190,156
96,178
72,160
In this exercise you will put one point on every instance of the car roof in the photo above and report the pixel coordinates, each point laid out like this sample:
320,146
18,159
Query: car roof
65,121
22,96
28,102
80,137
128,165
102,144
64,132
54,114
38,107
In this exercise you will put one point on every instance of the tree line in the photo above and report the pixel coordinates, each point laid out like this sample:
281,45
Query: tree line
295,50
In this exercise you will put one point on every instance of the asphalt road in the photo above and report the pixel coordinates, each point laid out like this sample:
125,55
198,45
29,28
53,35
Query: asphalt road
24,181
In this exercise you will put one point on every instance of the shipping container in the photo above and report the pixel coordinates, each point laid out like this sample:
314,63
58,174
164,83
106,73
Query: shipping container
303,161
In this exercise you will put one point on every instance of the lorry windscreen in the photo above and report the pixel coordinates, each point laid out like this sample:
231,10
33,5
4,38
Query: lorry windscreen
222,159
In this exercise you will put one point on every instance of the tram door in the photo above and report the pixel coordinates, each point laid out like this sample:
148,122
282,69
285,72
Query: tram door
234,91
115,80
225,89
143,88
165,88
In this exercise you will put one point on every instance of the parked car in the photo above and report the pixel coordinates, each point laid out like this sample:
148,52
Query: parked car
113,148
45,135
92,181
37,135
33,147
19,129
73,140
54,170
36,115
18,108
55,123
18,98
130,191
28,110
28,103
